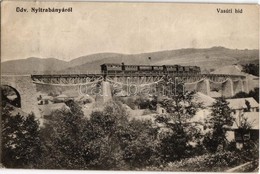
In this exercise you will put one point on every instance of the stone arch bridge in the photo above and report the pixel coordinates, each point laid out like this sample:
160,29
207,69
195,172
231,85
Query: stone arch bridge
25,90
226,85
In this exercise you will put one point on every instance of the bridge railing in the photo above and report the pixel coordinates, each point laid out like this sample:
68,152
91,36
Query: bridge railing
135,74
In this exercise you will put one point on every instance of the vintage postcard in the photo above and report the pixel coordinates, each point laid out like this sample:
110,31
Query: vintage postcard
130,86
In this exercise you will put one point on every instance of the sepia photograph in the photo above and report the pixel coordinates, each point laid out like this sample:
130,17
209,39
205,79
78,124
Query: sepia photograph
129,86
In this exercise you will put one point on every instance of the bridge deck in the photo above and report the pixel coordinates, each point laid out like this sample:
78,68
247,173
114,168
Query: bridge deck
77,79
134,75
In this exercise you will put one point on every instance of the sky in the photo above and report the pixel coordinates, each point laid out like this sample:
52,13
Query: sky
122,27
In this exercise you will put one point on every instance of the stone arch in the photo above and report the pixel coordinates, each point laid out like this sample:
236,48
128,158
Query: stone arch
215,86
26,89
17,101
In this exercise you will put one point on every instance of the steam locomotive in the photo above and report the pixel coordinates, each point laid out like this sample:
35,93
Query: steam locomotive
112,68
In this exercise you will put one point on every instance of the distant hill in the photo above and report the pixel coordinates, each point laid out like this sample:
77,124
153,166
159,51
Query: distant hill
92,58
33,65
229,69
208,59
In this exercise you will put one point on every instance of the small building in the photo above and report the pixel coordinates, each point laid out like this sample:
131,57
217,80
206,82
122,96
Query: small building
243,104
241,135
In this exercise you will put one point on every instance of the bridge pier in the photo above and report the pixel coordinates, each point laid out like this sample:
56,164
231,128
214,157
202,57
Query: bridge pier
238,86
245,85
104,93
203,86
227,88
190,86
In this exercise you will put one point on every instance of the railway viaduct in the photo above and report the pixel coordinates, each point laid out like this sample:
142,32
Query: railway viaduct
25,85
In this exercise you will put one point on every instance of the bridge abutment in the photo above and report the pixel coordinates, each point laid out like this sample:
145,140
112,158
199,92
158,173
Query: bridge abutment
27,91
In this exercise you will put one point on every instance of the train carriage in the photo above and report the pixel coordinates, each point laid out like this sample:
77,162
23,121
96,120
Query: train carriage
197,70
112,68
186,69
180,69
194,70
170,68
145,68
131,68
158,70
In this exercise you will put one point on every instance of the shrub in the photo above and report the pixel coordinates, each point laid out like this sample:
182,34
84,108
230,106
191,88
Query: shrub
142,103
253,93
217,162
131,103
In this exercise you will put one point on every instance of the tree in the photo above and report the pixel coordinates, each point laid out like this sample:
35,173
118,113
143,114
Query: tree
180,108
240,95
62,139
248,106
101,144
111,141
153,103
105,141
255,94
220,120
139,143
251,69
21,141
142,102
